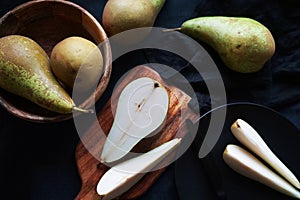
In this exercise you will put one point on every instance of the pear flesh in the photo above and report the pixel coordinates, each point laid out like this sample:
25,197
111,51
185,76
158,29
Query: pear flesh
249,137
122,15
142,108
25,71
247,165
124,175
243,44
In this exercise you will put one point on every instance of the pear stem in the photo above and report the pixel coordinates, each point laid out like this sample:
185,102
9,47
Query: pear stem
171,29
82,110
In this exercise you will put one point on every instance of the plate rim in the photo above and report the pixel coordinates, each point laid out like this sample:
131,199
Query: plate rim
233,105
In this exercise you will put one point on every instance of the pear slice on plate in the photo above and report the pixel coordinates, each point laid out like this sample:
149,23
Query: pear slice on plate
247,165
124,175
248,136
142,108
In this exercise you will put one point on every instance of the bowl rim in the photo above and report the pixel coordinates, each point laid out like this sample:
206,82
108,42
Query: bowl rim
103,82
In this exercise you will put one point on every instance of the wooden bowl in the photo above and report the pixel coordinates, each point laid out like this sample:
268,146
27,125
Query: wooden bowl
48,22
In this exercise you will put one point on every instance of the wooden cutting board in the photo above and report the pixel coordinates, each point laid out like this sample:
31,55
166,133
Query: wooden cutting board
91,170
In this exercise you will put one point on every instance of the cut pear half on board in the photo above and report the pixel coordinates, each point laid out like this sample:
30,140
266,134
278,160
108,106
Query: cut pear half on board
249,166
248,136
124,175
142,108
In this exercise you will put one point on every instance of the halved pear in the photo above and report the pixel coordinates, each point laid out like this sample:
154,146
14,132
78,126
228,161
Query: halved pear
247,165
248,136
124,175
141,109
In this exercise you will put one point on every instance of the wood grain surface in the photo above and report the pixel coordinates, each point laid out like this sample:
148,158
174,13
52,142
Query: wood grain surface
91,170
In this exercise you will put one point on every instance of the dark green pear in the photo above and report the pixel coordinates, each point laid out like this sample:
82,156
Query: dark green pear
243,44
122,15
25,71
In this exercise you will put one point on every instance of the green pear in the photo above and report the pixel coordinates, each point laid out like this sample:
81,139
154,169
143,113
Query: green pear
25,71
243,44
122,15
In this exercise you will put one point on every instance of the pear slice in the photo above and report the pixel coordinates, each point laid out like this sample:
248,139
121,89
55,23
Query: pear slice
124,175
247,165
141,109
248,136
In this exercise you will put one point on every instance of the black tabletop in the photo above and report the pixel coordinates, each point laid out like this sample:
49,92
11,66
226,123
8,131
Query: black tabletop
37,161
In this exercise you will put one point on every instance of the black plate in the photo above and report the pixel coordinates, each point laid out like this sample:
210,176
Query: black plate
196,178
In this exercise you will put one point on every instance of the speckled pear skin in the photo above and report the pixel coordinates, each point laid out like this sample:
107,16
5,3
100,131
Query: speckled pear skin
25,71
243,44
122,15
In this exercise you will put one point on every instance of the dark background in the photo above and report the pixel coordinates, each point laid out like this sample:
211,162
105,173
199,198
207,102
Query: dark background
37,160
